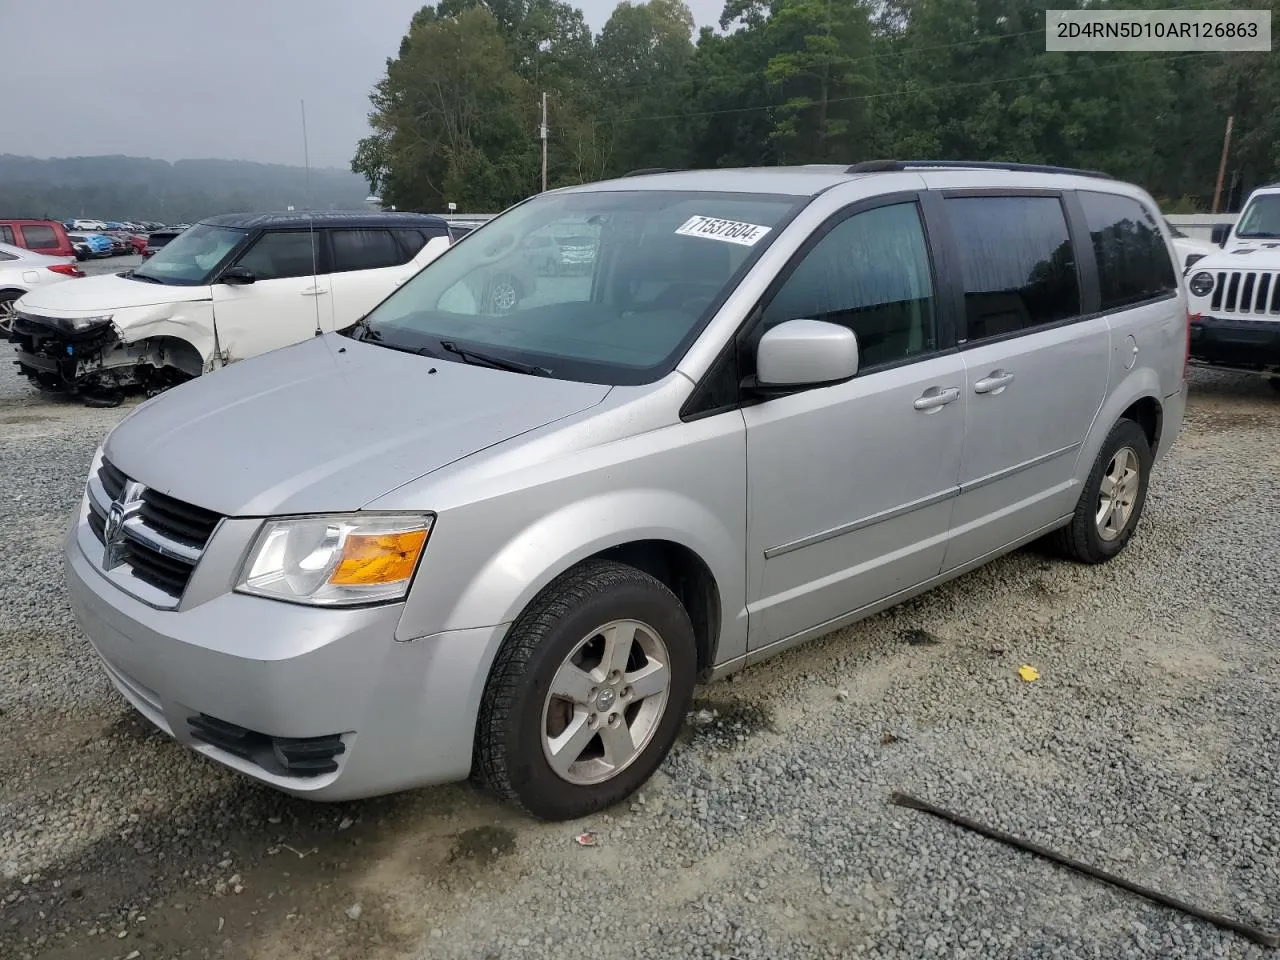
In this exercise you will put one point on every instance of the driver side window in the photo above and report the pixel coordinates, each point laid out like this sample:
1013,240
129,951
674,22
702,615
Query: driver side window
870,273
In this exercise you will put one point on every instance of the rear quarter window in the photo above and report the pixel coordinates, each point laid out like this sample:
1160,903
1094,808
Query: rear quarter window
1133,262
412,241
364,250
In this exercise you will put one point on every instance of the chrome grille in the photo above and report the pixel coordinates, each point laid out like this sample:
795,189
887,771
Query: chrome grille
160,542
1249,292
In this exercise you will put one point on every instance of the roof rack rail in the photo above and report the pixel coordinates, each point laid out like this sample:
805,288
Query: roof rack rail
885,166
644,172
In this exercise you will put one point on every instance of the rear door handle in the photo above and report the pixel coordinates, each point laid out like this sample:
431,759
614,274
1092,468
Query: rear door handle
936,398
314,292
994,383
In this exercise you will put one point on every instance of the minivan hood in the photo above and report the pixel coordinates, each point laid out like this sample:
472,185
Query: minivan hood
328,424
106,293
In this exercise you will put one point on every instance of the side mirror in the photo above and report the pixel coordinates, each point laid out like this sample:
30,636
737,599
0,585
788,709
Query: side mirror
804,353
237,276
1220,233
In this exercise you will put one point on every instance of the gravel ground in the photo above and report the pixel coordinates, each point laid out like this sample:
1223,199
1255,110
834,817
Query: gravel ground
1149,747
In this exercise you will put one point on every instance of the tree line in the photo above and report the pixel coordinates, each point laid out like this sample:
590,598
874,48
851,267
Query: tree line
456,117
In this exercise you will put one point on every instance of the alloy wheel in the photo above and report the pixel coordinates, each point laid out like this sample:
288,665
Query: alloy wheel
1118,493
606,701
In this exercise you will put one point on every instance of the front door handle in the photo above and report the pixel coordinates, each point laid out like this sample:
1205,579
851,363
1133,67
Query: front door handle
314,292
935,398
994,383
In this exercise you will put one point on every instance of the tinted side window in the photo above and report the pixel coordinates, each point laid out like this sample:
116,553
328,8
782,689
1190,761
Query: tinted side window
1133,261
870,273
278,256
1016,259
40,237
412,240
6,236
364,250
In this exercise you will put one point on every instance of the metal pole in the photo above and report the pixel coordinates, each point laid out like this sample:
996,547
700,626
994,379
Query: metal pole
1222,166
543,132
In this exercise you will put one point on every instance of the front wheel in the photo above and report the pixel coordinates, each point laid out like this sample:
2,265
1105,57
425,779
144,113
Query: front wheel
587,694
8,310
1111,504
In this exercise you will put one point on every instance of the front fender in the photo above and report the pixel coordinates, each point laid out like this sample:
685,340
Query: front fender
190,321
542,550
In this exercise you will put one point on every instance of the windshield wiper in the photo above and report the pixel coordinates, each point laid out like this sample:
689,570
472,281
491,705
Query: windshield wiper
134,275
472,356
361,331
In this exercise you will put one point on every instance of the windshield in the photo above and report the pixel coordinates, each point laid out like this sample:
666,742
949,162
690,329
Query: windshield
604,287
189,258
1261,219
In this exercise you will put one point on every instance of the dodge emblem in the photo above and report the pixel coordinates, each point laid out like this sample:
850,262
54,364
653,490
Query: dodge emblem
120,512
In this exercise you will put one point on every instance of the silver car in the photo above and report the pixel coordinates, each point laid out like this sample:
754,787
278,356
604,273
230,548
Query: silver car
455,539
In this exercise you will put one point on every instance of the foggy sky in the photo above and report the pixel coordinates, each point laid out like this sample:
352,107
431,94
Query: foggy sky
183,79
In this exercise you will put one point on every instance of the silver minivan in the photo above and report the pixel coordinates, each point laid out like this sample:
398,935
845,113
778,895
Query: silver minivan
453,539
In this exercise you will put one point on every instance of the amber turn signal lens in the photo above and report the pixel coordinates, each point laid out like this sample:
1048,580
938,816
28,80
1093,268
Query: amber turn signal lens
371,559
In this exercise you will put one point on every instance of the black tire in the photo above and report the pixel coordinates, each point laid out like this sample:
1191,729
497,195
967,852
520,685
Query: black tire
1081,539
509,755
1275,384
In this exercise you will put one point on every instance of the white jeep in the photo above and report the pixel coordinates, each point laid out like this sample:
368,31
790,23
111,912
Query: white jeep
1234,292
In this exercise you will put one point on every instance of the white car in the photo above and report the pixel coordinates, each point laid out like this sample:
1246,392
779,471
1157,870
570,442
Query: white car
90,225
22,271
1189,250
1233,294
229,288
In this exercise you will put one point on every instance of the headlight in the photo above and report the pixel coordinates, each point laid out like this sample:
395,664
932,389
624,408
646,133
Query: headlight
96,462
75,325
1201,284
338,560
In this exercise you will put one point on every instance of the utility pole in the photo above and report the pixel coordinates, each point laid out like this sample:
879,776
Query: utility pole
1222,166
543,132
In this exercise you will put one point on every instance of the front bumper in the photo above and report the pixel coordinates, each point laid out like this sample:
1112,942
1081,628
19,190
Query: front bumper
54,357
1236,342
404,713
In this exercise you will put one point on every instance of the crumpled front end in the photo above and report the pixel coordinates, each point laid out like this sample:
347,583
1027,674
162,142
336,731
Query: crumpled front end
87,357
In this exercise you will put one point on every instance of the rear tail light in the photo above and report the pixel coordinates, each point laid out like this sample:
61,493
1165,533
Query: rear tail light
67,269
1186,360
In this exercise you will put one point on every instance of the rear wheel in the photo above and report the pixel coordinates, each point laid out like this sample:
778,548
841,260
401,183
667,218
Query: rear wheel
587,694
1111,504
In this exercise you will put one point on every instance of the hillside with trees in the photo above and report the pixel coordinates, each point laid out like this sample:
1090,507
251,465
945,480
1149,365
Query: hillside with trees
117,187
799,81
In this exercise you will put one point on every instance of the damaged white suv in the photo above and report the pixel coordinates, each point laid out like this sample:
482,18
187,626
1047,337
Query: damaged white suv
228,288
1234,293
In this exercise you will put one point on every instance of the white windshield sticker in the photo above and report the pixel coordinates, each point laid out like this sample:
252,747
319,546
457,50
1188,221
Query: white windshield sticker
730,231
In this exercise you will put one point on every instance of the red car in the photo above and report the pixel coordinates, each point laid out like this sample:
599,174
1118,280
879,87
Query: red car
136,243
43,236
